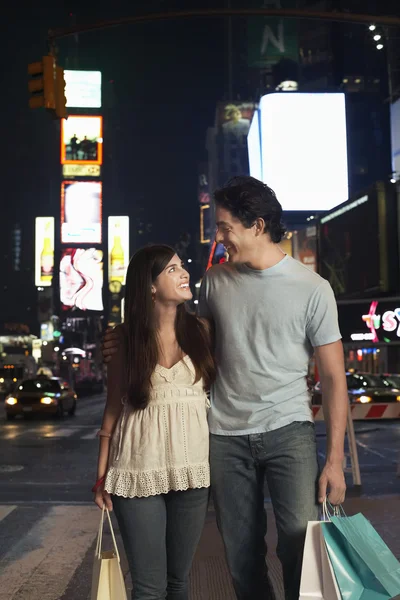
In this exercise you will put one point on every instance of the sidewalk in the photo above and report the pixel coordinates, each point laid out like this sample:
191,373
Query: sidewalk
210,578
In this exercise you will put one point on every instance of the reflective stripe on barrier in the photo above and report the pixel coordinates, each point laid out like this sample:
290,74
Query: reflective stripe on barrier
366,411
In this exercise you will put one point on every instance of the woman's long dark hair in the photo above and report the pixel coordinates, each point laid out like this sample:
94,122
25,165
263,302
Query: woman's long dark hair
141,335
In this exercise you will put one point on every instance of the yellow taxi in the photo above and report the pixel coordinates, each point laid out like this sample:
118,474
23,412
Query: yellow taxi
46,395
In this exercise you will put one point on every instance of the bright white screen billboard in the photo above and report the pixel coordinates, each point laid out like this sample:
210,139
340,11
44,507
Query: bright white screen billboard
304,149
118,248
81,212
395,131
81,279
254,147
83,89
44,251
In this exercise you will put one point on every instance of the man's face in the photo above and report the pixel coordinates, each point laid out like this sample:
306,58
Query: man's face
239,241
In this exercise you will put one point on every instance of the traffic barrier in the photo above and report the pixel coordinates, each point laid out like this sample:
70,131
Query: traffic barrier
360,412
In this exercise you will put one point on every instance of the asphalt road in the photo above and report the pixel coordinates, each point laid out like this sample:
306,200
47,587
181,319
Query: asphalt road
50,460
48,522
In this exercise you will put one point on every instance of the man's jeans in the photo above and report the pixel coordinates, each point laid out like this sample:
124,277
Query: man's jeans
160,535
287,459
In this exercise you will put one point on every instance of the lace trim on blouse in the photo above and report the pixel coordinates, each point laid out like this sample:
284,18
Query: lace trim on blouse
142,484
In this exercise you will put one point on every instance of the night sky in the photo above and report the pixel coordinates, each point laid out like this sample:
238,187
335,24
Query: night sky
161,82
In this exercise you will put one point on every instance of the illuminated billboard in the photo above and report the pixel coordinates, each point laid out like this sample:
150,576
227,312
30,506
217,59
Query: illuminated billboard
81,279
233,122
82,140
81,170
118,248
83,89
44,251
304,149
205,224
81,209
305,247
254,147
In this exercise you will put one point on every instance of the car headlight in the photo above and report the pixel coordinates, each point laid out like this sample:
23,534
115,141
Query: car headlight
46,400
364,399
11,401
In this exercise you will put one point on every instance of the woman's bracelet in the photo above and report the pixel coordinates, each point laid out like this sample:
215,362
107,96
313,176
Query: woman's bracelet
98,484
102,433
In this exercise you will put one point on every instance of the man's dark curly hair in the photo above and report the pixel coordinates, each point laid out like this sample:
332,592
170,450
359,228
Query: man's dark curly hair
248,199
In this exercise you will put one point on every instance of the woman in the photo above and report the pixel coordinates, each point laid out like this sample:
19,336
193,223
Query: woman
153,461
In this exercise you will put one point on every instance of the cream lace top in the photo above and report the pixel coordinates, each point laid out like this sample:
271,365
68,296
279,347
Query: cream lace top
165,446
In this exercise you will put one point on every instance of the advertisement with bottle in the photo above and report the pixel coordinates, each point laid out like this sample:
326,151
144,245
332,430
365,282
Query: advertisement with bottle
305,247
44,251
118,249
82,140
81,210
81,279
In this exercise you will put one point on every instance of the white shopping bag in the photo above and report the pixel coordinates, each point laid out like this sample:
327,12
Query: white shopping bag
317,577
107,579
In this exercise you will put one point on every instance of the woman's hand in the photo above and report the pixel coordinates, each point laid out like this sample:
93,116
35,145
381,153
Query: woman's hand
102,497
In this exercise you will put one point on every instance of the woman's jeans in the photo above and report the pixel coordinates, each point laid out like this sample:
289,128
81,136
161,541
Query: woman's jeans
160,535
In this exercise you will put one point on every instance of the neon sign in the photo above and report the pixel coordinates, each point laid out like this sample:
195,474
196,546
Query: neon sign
389,321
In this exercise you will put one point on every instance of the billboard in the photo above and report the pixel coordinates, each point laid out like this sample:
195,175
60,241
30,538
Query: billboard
233,122
82,89
81,208
205,223
118,248
395,134
304,149
81,279
44,251
358,245
254,147
81,170
371,320
305,247
82,140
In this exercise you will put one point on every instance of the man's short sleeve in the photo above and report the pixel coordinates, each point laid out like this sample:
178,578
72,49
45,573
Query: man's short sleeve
322,317
203,309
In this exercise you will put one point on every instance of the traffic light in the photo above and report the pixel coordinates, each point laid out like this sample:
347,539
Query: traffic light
42,84
61,111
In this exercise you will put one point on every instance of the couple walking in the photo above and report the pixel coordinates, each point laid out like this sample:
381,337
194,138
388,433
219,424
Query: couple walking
261,317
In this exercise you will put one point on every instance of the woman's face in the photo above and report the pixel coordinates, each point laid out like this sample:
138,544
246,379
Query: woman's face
172,285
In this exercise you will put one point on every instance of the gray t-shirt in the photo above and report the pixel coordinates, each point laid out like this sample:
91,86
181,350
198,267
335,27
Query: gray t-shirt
267,324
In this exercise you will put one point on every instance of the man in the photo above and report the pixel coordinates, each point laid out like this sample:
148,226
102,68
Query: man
270,315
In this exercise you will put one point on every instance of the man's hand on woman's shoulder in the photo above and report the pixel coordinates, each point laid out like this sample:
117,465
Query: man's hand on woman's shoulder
111,342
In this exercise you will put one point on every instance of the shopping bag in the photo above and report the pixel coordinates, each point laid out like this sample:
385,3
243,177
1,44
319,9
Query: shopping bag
107,578
364,567
317,577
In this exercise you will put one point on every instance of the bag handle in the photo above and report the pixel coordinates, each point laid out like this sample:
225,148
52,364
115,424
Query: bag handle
100,534
328,510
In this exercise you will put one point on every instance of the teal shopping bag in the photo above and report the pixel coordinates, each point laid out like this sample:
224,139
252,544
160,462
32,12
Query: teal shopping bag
364,567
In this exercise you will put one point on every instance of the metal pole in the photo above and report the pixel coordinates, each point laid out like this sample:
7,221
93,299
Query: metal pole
340,17
355,467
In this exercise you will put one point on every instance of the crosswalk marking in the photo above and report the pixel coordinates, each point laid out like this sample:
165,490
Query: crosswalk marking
65,432
90,436
6,510
11,434
42,563
50,432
